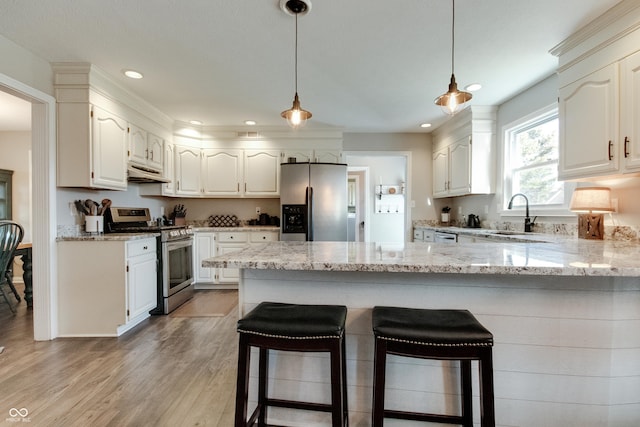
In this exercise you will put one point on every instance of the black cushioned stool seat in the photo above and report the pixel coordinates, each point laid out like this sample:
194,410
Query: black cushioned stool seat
291,327
434,334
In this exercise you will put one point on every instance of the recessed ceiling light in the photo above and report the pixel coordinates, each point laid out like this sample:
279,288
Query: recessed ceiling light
250,122
425,125
195,122
473,87
133,74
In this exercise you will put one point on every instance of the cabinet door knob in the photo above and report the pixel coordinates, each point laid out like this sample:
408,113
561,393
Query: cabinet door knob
145,247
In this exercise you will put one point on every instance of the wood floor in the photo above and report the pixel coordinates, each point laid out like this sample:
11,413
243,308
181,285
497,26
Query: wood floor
168,371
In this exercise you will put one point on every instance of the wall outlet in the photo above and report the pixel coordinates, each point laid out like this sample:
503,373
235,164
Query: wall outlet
257,210
486,209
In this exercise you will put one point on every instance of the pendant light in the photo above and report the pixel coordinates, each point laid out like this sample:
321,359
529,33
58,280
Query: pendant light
296,116
453,100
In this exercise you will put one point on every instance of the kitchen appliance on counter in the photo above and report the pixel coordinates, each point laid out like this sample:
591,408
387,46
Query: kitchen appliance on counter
473,221
313,201
175,253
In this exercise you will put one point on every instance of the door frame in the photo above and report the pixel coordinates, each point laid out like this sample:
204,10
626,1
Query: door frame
408,226
44,230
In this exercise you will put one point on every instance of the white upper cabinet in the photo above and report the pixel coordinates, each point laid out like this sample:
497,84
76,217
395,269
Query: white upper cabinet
221,172
327,156
441,172
146,150
463,151
155,150
138,152
297,156
187,171
99,132
261,173
588,111
630,119
599,98
109,150
92,147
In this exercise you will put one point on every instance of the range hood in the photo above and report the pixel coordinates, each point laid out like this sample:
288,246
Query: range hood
143,176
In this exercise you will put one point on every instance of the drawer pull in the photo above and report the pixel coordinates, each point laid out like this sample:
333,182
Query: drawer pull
145,247
626,144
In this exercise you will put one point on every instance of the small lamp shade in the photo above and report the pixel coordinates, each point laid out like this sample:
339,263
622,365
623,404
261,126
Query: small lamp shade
591,202
591,199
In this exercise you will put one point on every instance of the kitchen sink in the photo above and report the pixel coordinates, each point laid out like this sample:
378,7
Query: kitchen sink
509,233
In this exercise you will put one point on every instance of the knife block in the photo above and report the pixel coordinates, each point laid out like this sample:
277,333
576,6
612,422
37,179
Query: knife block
180,220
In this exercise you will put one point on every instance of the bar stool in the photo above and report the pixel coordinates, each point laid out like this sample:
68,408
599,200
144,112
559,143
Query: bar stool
434,334
291,327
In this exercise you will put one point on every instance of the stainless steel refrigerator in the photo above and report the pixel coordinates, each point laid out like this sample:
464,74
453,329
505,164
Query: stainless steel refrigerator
313,202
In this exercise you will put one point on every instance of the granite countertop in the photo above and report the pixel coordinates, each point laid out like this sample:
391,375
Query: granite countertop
568,257
240,228
107,237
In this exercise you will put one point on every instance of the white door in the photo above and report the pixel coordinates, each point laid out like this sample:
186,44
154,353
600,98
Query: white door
204,247
441,172
630,114
588,111
109,150
459,167
143,284
137,146
261,173
188,169
222,172
155,152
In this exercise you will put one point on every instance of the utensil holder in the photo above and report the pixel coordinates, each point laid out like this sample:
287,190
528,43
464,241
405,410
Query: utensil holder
94,224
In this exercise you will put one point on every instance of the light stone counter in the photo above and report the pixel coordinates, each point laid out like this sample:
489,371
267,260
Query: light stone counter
108,237
564,257
565,317
240,228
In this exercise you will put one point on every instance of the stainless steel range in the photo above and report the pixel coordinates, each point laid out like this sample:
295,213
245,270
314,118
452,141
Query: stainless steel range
175,253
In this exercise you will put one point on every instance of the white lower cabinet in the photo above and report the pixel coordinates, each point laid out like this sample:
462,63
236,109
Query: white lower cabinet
211,243
105,288
142,277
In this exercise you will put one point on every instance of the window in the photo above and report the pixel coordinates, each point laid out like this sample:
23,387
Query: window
531,163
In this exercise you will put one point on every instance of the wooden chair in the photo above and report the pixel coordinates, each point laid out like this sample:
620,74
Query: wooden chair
11,234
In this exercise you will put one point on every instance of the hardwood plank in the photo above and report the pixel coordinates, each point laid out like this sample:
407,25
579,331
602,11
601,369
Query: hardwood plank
167,371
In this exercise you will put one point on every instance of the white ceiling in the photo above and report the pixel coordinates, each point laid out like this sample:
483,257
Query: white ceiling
363,65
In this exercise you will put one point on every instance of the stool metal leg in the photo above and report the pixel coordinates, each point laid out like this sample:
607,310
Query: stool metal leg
487,410
467,405
379,372
263,379
242,382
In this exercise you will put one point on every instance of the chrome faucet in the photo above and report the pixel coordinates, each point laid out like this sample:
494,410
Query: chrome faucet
528,224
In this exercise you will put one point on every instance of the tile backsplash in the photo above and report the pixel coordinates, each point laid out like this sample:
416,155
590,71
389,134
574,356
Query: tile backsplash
612,232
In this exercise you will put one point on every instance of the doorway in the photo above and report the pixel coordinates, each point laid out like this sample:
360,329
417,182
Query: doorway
356,219
43,202
387,168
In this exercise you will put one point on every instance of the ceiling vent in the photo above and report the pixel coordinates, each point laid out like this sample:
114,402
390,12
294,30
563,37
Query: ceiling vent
248,134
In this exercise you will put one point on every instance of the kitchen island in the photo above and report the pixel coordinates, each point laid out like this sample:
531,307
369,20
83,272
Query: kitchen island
565,317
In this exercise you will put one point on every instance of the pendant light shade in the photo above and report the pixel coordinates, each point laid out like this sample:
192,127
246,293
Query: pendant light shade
453,100
296,117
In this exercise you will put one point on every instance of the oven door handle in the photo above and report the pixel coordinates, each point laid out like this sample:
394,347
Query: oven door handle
177,244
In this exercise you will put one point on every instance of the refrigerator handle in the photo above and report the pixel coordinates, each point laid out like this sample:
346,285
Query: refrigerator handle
309,197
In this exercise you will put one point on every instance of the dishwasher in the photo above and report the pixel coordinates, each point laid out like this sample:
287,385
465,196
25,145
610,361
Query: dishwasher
442,237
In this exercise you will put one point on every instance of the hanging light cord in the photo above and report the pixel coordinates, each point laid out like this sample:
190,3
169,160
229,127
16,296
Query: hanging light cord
296,55
453,33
